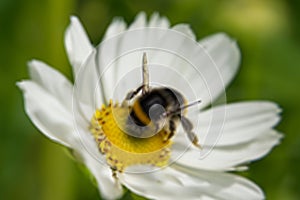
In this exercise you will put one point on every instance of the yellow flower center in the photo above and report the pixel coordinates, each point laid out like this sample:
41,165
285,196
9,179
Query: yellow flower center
121,149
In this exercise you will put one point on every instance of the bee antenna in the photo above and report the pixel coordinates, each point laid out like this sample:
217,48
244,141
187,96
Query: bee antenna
181,108
145,88
189,105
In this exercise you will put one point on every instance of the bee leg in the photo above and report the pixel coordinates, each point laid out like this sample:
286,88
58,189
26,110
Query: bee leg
172,128
188,127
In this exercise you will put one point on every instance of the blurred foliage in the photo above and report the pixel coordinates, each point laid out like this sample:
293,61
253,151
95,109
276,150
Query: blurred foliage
266,30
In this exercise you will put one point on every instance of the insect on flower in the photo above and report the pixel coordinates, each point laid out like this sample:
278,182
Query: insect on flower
153,110
157,108
138,143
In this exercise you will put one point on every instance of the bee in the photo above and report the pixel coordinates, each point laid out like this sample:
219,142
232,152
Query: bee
157,108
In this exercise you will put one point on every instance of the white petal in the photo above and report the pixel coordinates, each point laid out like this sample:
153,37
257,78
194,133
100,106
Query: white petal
87,88
112,66
117,26
238,122
112,51
139,21
200,74
207,67
183,183
225,53
88,153
158,22
227,157
47,113
223,185
52,81
161,184
226,56
109,187
45,98
185,29
121,60
202,69
120,55
52,118
77,44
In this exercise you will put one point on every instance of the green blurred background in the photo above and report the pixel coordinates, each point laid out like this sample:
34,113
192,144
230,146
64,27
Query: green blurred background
267,31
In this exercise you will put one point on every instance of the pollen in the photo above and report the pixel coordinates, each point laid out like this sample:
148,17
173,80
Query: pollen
120,148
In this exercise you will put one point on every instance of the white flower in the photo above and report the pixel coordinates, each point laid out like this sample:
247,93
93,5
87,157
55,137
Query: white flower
232,135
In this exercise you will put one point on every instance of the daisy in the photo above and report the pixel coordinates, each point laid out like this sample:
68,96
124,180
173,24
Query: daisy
87,118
